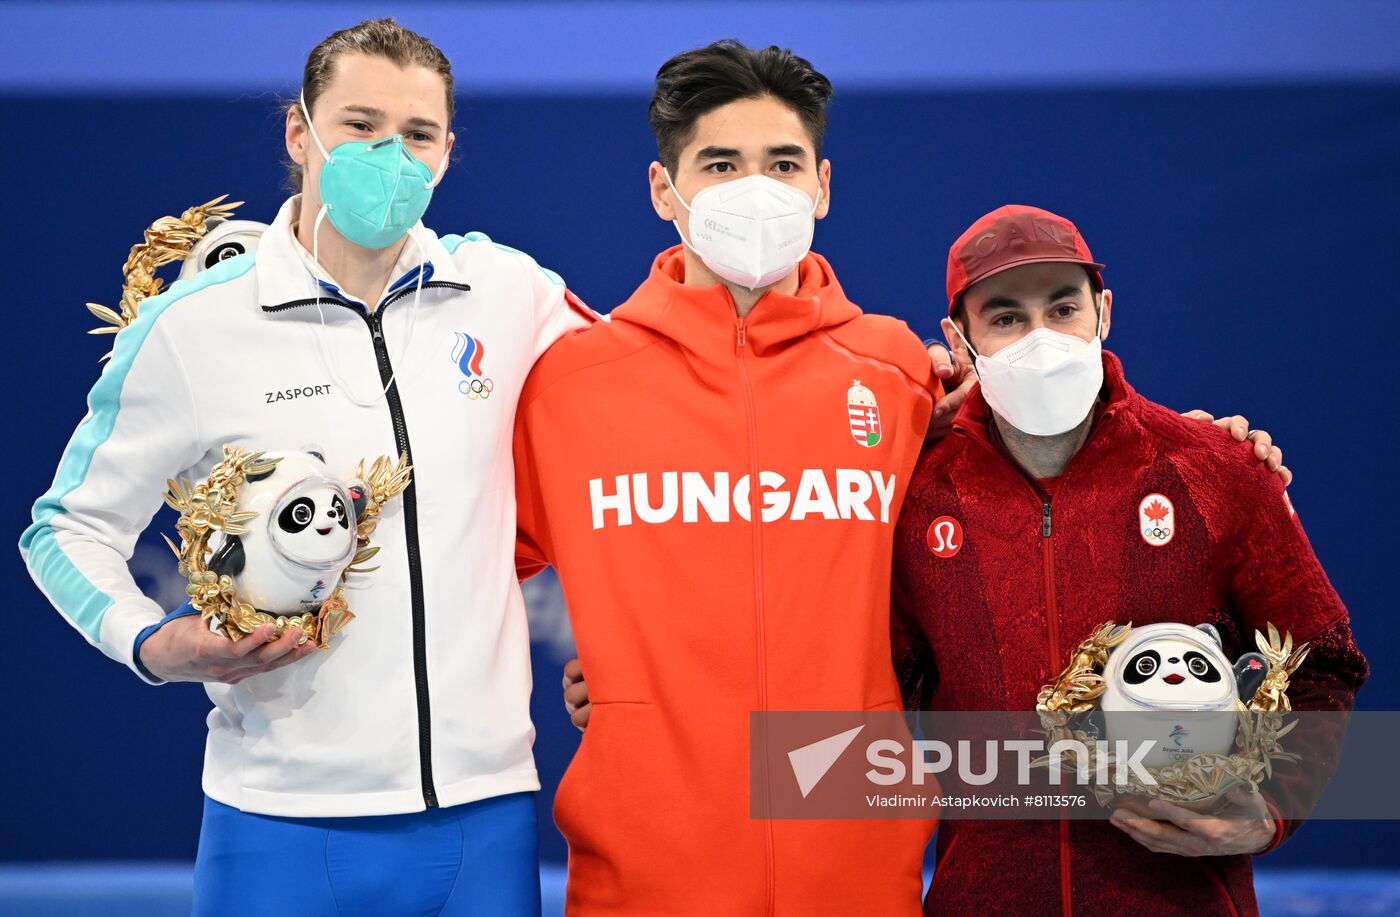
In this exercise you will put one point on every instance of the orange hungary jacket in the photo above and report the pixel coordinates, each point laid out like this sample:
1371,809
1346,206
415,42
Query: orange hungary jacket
645,447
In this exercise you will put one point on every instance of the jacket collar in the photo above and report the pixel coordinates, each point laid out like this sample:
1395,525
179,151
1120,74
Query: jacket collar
287,275
704,322
975,416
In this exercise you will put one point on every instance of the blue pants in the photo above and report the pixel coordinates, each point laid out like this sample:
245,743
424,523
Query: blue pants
480,859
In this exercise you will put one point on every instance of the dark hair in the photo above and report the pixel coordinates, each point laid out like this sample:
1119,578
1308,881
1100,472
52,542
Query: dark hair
377,38
696,82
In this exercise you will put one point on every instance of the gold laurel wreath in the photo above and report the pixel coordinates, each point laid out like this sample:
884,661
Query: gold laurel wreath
212,506
167,239
385,480
1197,779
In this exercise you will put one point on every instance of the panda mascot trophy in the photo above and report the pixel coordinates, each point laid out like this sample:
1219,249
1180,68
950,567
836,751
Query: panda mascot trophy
1209,725
269,537
200,238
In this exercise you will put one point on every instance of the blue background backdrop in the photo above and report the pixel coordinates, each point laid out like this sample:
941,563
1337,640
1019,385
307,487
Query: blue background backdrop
1237,166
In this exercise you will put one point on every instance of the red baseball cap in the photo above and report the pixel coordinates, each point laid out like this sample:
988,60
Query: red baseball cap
1009,237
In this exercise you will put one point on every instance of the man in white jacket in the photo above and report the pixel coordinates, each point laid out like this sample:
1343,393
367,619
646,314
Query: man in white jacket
329,335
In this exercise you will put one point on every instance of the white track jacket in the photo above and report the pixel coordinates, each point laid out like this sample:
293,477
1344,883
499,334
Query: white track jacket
423,699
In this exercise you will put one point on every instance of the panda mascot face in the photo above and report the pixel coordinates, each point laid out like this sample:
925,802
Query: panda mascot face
301,541
310,524
1171,684
1177,673
224,240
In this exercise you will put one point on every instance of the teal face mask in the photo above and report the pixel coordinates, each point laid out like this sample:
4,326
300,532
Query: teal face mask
373,191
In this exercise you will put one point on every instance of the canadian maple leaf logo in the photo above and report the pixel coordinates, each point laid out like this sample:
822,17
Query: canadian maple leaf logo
1156,511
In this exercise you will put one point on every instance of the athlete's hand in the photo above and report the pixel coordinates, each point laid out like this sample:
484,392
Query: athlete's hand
1264,448
576,694
957,379
186,650
1249,827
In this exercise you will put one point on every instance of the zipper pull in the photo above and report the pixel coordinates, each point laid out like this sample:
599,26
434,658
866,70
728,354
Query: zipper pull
1045,520
377,330
742,339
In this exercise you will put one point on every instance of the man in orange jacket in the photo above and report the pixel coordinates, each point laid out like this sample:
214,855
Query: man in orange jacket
715,475
737,421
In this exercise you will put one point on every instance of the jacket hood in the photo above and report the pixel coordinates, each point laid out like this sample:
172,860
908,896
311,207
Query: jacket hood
703,320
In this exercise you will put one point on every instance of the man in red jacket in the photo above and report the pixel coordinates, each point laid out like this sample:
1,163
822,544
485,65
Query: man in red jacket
1022,531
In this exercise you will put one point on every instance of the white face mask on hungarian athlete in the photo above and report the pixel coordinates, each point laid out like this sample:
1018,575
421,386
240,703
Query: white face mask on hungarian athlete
1045,383
751,231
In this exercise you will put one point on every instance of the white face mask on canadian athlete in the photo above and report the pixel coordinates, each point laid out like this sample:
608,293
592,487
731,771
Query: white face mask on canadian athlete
1045,383
751,231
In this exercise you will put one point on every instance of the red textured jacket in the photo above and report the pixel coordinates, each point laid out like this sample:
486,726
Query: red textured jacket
984,628
636,444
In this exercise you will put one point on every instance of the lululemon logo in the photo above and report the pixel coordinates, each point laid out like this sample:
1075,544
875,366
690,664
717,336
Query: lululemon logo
945,537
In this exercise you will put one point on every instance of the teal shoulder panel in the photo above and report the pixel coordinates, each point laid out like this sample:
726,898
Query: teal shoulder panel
483,237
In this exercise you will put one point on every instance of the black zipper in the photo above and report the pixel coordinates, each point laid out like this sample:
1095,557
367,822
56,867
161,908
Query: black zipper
415,562
409,498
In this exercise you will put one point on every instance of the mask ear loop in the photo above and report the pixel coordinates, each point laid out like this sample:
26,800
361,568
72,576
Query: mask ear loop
326,358
966,343
441,170
680,200
321,350
325,355
310,129
684,206
418,284
413,313
408,336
